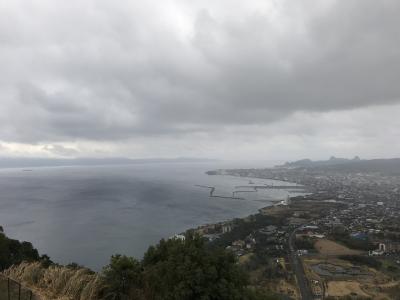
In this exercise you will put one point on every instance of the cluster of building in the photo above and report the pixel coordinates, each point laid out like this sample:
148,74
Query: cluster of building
325,183
214,231
372,200
242,247
362,206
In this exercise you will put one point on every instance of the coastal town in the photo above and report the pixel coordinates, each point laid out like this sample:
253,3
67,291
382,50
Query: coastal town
340,240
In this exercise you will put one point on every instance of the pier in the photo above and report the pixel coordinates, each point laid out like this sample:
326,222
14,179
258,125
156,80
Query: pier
212,190
272,187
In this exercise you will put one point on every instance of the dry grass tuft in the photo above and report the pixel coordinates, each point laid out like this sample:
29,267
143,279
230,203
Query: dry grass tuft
58,282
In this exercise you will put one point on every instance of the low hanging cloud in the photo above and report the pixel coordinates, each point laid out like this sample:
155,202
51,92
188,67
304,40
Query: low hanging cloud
101,71
61,150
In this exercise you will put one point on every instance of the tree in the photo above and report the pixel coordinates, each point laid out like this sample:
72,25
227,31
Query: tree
123,275
14,252
260,295
177,269
185,269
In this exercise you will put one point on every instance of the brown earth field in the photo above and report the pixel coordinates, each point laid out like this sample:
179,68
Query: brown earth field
328,247
344,288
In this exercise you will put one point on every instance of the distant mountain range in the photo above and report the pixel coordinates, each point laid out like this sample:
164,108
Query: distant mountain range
385,166
332,161
7,162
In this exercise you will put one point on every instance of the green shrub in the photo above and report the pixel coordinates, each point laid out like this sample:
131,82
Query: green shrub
362,260
14,252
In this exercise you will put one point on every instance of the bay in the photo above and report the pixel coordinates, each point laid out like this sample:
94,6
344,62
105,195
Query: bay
84,214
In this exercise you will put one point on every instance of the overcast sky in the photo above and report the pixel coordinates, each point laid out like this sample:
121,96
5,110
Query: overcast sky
220,79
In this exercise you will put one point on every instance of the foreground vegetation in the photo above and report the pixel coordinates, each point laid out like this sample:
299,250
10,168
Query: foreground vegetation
174,269
14,252
58,282
180,269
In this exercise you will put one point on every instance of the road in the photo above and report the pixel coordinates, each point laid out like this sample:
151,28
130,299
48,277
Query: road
297,266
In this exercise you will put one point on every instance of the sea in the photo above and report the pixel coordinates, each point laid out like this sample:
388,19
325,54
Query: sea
85,214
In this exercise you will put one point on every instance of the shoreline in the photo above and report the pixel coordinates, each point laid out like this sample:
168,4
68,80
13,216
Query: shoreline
226,225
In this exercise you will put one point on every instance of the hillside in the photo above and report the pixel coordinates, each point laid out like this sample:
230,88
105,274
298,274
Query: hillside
58,282
383,166
174,269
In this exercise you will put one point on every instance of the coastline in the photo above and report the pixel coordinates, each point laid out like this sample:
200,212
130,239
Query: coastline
115,205
213,231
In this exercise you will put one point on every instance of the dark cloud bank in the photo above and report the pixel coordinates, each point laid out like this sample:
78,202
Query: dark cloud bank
94,71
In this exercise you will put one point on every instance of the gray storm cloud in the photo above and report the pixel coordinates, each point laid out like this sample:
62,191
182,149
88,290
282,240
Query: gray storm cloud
102,71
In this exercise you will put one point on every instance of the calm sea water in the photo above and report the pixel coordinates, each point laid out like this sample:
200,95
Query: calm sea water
86,214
